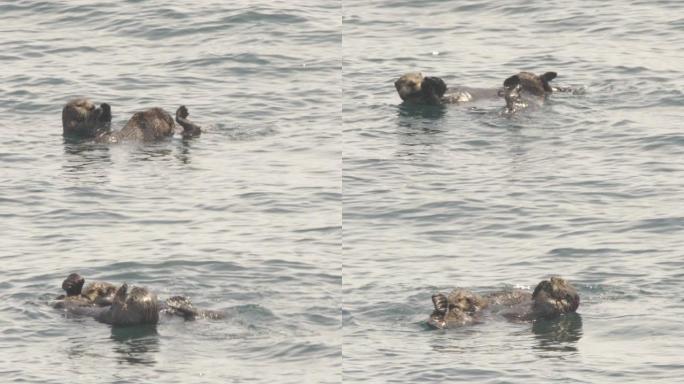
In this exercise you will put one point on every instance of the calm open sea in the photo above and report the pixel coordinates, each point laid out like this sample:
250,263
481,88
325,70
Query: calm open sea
320,214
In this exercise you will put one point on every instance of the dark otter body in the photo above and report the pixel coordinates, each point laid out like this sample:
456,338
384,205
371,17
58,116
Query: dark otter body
528,90
94,294
414,88
80,118
137,307
149,125
72,286
119,307
551,298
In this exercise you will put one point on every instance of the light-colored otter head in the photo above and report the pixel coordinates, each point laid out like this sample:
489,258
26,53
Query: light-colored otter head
408,86
81,118
139,306
554,297
461,307
416,89
525,89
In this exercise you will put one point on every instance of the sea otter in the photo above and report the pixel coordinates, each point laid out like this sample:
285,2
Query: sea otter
529,90
107,304
82,119
551,298
137,307
95,294
414,88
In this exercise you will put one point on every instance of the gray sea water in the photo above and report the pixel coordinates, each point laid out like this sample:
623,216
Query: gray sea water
244,219
320,213
590,187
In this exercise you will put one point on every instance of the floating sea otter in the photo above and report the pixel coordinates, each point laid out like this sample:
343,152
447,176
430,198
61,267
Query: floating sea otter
529,90
82,119
551,298
414,88
98,293
110,305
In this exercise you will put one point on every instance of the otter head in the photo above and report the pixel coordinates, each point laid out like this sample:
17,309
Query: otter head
526,88
554,297
414,88
461,307
139,306
73,284
81,118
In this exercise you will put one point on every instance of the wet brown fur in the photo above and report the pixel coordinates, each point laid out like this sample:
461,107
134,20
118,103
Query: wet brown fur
94,294
120,307
551,298
81,118
525,89
137,307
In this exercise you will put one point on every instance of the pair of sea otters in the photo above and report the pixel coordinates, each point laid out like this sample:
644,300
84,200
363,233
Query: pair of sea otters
138,306
520,91
550,299
123,306
82,119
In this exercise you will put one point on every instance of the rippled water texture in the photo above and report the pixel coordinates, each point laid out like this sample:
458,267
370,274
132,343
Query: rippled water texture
304,135
588,187
244,219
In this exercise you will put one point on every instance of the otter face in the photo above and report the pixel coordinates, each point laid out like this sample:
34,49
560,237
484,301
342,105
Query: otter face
554,297
81,118
461,307
414,88
408,86
73,284
139,306
525,89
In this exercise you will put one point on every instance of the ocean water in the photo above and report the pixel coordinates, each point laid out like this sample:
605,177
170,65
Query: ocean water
589,187
245,219
320,214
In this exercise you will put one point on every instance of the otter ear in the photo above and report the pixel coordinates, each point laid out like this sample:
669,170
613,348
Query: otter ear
512,82
432,83
440,303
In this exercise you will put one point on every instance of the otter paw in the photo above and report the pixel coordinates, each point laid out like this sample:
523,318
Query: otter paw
182,112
